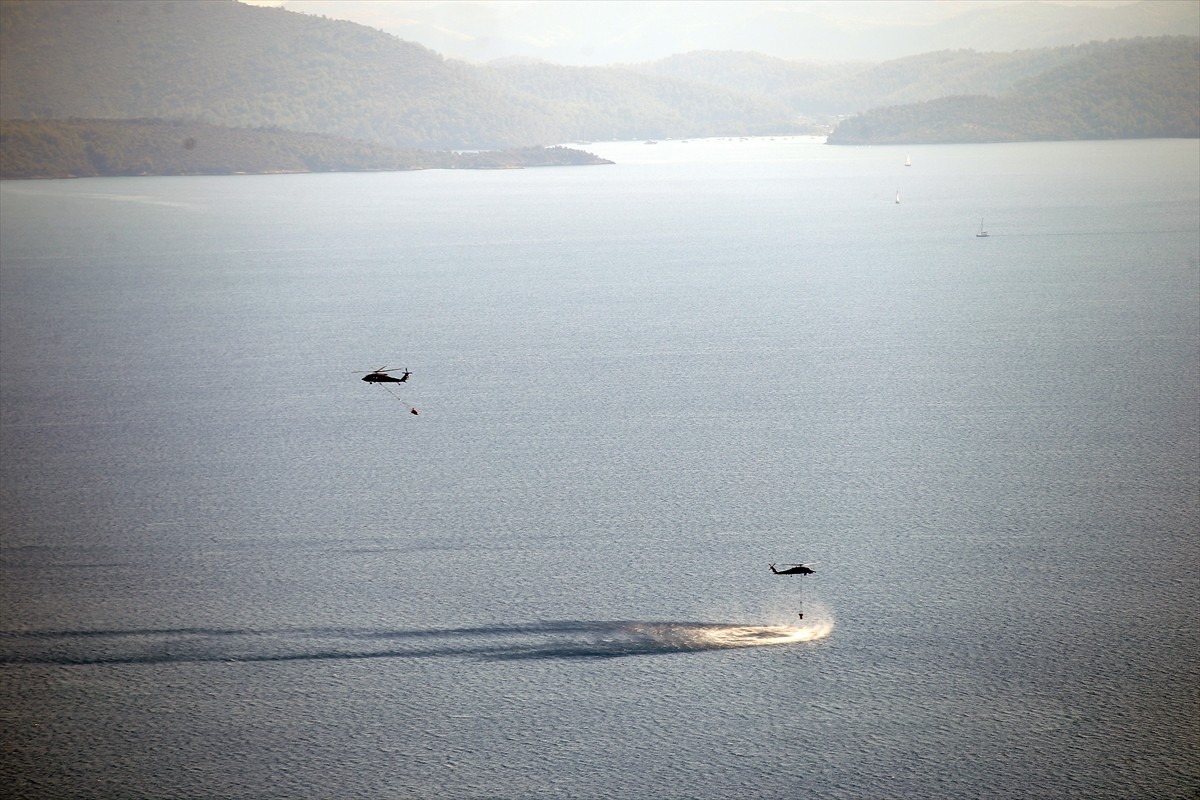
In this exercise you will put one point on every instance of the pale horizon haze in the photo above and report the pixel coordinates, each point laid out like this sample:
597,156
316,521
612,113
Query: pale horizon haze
604,32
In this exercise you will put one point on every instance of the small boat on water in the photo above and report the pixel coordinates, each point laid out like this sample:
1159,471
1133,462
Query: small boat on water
908,161
897,197
982,233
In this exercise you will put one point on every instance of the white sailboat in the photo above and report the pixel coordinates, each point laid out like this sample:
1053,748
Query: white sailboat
897,197
982,233
908,161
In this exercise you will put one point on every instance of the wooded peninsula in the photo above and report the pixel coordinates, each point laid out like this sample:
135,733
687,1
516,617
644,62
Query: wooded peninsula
95,148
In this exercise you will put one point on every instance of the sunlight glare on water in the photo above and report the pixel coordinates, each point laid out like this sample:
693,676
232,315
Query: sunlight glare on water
724,636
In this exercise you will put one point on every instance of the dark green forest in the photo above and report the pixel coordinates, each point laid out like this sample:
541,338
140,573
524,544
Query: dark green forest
267,71
90,148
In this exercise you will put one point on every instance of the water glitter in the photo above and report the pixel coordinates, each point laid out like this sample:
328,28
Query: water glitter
761,635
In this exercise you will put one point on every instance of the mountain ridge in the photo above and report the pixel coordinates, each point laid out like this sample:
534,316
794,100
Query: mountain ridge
229,64
1145,88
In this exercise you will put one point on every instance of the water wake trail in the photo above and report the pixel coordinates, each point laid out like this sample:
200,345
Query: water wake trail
540,640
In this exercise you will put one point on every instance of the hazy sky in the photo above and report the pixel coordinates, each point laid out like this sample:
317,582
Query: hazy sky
593,32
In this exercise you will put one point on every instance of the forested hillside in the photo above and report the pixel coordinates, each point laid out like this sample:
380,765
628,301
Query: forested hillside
226,64
246,66
89,148
1138,88
841,89
231,64
1116,89
619,103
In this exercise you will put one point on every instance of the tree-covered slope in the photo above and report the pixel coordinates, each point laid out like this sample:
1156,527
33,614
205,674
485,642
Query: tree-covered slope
621,103
838,89
228,64
231,64
1138,88
89,148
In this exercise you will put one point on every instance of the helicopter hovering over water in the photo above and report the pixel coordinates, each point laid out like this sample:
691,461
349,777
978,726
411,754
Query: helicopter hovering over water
381,376
794,569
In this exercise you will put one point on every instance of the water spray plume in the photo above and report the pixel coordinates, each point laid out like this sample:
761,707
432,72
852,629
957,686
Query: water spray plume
760,635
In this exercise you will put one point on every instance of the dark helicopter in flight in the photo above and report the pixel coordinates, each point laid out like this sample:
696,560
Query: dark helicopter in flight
795,569
381,376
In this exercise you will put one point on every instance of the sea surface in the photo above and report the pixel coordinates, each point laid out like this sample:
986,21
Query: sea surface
229,568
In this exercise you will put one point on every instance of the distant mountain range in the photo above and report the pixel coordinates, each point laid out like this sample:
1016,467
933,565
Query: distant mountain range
230,65
1126,89
629,33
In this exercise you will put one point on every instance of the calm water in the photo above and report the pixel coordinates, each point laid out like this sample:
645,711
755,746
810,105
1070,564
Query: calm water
229,568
